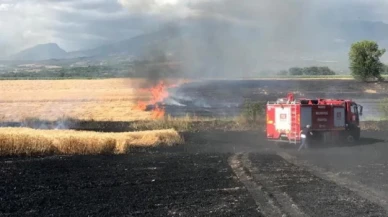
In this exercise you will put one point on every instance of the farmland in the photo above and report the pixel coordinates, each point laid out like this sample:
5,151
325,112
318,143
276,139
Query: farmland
114,99
208,161
110,99
93,100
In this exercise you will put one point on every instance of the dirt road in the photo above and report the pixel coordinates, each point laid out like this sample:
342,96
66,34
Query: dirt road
336,180
215,174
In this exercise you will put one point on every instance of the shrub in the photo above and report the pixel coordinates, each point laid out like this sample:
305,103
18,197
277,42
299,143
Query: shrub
252,110
383,107
296,71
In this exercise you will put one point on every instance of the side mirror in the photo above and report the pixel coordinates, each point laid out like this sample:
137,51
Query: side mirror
360,109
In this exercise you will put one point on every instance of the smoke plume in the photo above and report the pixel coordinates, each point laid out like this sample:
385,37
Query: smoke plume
228,38
234,39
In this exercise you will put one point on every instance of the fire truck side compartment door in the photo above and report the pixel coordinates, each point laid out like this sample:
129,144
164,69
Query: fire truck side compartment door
339,117
305,116
283,118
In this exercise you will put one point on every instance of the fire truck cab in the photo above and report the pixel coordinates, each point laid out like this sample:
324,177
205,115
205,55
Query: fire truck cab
330,119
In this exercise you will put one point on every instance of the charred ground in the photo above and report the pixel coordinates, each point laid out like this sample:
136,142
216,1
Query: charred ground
195,179
226,98
217,172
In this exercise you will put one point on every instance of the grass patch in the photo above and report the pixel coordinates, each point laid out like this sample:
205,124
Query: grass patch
191,123
380,125
188,123
383,107
31,142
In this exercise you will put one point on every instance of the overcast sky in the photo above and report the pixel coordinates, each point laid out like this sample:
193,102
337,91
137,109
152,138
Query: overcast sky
79,24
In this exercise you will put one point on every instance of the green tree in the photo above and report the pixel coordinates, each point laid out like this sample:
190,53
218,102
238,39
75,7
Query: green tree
318,70
283,72
364,57
296,71
313,70
324,70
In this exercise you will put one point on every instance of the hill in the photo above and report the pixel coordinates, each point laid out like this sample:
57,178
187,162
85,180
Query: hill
229,47
234,47
41,52
136,46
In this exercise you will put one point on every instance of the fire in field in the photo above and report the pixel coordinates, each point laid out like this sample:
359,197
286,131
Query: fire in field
98,100
158,93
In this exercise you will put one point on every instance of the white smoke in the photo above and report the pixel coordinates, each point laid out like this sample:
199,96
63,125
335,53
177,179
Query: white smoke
170,101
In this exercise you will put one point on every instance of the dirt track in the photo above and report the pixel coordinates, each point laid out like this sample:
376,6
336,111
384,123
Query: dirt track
215,174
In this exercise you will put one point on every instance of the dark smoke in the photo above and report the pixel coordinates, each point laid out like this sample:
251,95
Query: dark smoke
229,39
156,63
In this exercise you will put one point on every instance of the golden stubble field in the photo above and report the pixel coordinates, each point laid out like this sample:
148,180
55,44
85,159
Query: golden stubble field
31,142
97,100
100,100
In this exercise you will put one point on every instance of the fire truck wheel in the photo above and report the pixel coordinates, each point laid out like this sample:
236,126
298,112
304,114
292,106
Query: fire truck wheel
357,134
350,139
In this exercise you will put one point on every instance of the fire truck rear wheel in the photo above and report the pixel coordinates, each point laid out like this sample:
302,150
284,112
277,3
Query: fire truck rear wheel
357,134
350,139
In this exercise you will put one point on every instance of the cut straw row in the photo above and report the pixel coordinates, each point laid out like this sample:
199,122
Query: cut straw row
31,142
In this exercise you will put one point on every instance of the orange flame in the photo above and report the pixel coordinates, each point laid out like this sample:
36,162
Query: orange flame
158,113
158,94
141,106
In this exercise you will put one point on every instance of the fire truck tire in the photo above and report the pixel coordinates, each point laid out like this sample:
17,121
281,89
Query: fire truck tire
357,134
350,139
353,136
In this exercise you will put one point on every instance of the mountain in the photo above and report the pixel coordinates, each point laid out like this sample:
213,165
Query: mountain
41,52
206,37
221,46
136,46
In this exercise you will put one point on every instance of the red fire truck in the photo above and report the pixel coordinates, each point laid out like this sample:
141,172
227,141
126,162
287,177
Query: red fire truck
330,119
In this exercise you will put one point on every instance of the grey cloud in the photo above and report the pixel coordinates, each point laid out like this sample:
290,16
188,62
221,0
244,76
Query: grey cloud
73,24
101,6
100,28
293,26
277,34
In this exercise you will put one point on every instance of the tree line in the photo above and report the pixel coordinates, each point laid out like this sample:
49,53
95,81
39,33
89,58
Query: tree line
70,72
309,71
137,69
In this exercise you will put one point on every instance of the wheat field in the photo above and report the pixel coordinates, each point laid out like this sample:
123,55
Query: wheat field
31,142
100,100
97,100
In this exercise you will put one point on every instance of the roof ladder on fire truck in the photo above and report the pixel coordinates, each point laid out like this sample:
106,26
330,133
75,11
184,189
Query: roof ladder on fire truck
294,125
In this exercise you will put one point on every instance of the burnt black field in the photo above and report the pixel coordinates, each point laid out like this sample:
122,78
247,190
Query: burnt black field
198,178
132,185
191,180
226,98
